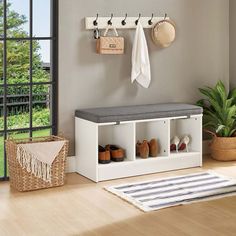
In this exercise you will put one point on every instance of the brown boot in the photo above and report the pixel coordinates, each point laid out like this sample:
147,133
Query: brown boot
117,153
138,144
142,149
153,148
103,155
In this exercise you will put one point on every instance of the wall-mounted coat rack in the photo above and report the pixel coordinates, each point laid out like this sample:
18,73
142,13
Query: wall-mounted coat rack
122,22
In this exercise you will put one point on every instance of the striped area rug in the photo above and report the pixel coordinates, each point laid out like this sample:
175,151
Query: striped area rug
172,191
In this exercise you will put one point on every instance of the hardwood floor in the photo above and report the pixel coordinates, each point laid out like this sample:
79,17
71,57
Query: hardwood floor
82,207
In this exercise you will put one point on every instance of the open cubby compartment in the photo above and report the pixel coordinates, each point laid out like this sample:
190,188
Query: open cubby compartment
157,129
188,126
121,135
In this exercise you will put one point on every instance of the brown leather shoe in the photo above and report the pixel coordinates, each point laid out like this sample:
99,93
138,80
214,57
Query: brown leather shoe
117,153
153,148
142,149
138,144
104,156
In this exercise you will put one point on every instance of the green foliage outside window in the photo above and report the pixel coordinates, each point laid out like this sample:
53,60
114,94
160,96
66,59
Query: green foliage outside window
18,54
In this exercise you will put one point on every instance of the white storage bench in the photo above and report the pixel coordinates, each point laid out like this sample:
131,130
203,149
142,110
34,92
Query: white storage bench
124,126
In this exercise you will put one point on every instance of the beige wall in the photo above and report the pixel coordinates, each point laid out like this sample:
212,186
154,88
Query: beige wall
232,41
200,56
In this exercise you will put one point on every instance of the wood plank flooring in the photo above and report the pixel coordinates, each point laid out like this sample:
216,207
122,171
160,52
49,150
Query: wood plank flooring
82,207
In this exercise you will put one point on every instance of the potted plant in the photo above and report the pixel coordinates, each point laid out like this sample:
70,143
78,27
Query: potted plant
219,120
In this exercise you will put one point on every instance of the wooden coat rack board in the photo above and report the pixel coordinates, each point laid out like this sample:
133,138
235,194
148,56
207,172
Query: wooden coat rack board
130,22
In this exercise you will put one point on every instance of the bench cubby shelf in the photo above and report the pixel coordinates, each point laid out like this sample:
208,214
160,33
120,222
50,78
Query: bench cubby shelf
90,134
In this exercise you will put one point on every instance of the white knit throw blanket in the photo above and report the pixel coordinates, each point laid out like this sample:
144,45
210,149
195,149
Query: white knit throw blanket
37,158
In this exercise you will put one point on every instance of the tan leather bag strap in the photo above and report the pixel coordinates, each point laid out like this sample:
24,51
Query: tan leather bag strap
108,28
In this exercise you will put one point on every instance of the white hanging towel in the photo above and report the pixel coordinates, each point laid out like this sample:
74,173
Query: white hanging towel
37,158
140,59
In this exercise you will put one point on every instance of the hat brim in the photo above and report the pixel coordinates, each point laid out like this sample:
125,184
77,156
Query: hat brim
164,35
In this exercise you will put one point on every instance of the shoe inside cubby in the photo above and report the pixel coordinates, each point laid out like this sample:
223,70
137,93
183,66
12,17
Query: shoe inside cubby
190,127
121,135
154,130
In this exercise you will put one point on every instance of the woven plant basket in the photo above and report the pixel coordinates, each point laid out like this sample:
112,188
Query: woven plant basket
223,148
22,180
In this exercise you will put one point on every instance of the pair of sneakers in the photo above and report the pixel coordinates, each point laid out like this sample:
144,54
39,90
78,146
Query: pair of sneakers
177,144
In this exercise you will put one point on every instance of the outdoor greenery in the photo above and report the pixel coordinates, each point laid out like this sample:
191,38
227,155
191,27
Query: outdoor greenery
18,71
40,118
219,110
18,64
18,56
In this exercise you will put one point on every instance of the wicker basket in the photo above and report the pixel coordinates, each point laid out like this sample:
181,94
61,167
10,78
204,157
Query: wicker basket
223,148
22,180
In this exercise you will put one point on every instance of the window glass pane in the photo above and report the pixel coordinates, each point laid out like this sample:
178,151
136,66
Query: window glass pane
41,61
41,133
18,61
19,135
1,155
41,25
41,105
18,70
1,88
1,18
1,62
1,109
18,18
17,120
18,107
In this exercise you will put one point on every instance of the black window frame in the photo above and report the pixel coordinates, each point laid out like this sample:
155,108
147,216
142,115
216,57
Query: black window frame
53,38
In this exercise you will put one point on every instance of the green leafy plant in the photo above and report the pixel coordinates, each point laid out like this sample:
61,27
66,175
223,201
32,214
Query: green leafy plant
41,118
18,57
219,110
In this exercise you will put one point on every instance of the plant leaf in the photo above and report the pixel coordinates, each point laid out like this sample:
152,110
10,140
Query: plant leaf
220,127
219,109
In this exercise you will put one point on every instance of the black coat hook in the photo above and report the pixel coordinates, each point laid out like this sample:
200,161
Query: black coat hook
95,22
150,21
123,22
96,33
136,22
110,22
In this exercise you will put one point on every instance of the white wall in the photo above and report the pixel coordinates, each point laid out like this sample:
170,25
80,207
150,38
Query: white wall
200,56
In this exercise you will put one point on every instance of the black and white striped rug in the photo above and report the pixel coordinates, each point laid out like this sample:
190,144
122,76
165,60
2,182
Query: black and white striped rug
172,191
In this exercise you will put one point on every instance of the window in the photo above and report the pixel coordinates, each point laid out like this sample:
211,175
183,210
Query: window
28,71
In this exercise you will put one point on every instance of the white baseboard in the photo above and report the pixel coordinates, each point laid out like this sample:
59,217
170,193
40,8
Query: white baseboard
71,160
71,164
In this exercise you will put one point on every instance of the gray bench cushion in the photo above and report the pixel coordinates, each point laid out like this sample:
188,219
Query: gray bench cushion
140,112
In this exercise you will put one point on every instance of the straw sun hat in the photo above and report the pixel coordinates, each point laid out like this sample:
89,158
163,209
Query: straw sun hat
163,33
